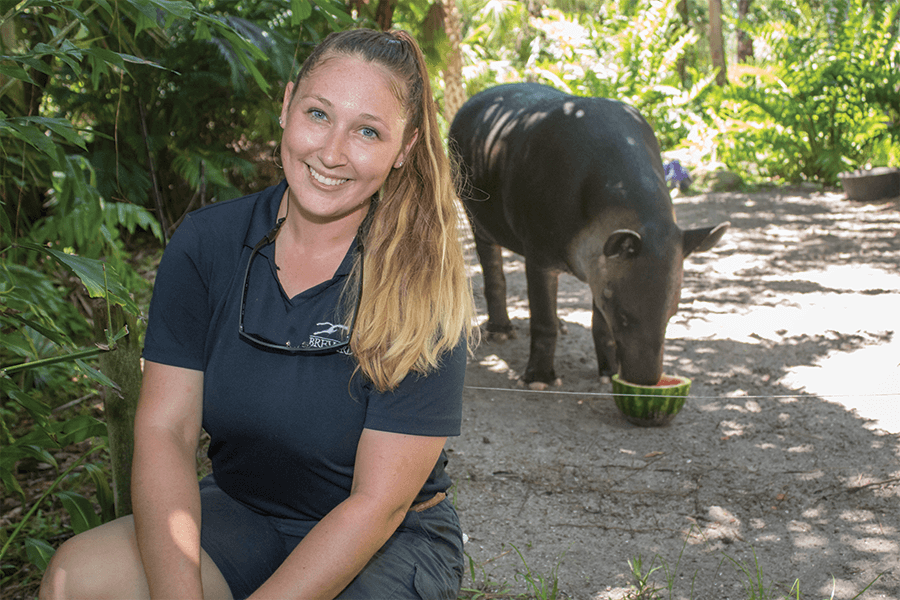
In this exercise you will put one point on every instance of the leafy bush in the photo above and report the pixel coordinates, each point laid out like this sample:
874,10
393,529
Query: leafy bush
40,352
825,98
102,103
630,51
642,54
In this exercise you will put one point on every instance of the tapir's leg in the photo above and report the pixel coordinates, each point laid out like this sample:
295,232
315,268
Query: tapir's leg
604,344
542,288
491,257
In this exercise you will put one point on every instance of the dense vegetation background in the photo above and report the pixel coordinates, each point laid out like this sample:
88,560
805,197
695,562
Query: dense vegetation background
119,116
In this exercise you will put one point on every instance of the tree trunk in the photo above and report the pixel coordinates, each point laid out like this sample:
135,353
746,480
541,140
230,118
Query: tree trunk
454,89
681,66
384,14
716,42
123,367
744,41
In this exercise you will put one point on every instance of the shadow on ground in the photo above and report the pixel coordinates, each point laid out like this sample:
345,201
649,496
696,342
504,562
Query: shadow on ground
760,469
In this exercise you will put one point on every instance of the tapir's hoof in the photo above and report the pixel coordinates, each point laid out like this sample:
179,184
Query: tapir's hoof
499,335
606,374
539,386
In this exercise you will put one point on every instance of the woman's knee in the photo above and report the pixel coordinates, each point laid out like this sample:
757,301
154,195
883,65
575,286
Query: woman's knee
101,563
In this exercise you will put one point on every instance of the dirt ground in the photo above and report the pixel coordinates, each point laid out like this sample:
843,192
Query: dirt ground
784,464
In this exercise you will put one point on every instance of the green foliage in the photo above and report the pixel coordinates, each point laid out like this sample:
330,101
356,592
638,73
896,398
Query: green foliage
824,99
497,36
81,510
644,590
643,55
482,587
39,552
540,586
105,106
132,94
629,51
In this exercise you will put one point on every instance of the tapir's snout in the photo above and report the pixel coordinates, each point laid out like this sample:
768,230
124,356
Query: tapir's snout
640,363
641,374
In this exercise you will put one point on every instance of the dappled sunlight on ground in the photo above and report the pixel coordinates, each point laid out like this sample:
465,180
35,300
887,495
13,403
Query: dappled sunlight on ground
786,456
840,376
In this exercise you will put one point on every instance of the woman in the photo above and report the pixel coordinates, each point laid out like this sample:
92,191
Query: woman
318,331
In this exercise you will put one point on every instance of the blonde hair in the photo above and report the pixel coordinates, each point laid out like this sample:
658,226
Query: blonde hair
416,296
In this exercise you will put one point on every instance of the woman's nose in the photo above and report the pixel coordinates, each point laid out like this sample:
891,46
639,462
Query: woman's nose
333,151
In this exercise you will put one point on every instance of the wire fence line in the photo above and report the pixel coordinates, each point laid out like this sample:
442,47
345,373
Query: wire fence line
741,397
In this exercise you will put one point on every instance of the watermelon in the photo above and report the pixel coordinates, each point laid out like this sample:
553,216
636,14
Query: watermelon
651,405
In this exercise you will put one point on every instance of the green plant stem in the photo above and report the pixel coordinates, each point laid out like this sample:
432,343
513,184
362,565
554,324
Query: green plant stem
43,362
871,583
34,508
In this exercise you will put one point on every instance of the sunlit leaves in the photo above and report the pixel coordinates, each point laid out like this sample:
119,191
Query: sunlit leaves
630,51
825,100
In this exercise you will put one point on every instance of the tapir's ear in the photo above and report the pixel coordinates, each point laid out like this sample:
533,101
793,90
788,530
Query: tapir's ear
700,240
623,243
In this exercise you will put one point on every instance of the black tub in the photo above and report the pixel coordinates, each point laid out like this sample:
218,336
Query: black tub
871,184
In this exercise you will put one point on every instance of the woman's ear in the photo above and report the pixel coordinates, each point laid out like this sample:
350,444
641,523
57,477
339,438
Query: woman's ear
406,149
286,103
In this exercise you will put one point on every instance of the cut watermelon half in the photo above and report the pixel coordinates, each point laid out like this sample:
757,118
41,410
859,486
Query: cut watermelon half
651,405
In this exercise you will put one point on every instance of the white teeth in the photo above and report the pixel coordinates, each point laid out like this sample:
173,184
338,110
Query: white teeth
325,180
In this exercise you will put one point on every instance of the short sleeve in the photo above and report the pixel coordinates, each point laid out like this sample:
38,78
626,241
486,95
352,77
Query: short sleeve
423,404
179,309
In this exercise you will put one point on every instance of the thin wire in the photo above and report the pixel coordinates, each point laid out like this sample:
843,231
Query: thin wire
611,394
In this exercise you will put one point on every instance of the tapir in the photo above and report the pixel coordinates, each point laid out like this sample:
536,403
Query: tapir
574,184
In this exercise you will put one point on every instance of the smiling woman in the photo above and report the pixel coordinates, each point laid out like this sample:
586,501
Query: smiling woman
318,331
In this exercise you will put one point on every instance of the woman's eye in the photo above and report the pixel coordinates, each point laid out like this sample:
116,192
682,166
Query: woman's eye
368,132
315,113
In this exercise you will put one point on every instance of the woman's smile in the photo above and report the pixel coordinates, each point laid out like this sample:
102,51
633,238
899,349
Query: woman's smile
326,181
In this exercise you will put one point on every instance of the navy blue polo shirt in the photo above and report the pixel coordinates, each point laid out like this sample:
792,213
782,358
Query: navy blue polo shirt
284,428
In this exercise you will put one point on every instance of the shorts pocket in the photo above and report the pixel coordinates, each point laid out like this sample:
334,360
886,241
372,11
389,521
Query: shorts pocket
433,585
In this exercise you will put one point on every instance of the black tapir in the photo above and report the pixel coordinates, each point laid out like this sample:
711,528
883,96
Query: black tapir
577,185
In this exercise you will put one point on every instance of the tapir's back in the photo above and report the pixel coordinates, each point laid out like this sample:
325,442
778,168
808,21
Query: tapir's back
535,163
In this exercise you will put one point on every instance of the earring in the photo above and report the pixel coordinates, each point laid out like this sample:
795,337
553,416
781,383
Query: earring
399,164
281,121
276,156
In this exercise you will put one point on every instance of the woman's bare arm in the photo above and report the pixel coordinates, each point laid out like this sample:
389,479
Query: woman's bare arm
165,494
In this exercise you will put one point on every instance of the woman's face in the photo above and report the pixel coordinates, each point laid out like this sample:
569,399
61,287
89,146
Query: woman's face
343,133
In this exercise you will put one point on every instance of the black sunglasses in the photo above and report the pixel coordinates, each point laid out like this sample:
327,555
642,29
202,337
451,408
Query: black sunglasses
327,345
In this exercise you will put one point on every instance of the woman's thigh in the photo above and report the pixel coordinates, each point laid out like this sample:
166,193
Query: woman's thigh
422,560
245,545
105,562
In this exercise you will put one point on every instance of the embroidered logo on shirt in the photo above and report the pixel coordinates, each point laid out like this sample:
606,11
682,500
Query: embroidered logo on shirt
320,339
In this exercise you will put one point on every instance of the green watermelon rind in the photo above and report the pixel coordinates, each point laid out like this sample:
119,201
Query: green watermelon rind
650,405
